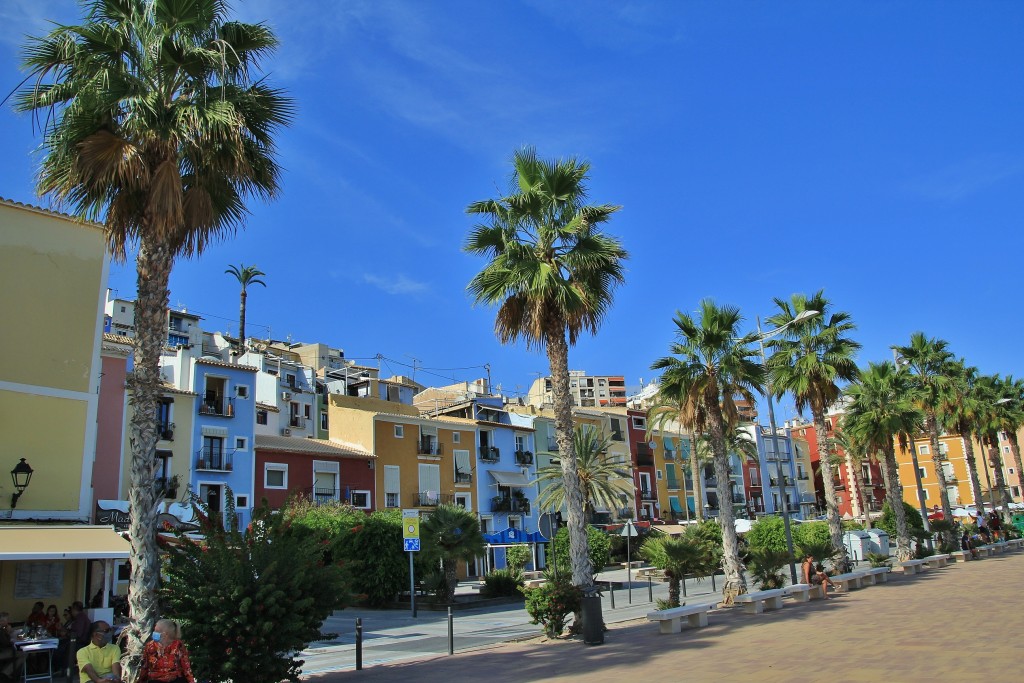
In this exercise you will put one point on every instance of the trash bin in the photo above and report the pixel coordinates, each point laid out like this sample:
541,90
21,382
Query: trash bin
858,544
879,541
593,621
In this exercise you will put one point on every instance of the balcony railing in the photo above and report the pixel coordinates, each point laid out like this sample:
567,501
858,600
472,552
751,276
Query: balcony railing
223,407
643,449
803,476
673,484
648,494
167,487
645,460
297,421
711,482
510,504
490,453
215,460
322,496
166,431
429,499
524,457
430,447
738,499
463,477
788,481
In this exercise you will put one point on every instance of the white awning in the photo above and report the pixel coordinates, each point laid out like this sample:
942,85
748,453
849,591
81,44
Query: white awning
510,478
62,543
222,432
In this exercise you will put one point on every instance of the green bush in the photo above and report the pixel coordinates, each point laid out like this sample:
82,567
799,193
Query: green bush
502,583
766,567
599,548
250,603
879,560
767,533
551,603
851,525
517,556
887,521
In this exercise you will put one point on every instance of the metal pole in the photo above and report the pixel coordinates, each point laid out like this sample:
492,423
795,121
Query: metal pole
629,565
783,500
650,589
611,587
451,632
412,586
359,643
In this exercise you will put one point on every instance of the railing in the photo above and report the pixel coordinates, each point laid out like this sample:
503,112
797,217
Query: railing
165,489
429,499
643,449
673,484
463,477
524,457
755,483
803,476
490,453
321,496
297,421
430,447
788,481
215,460
648,494
166,432
224,407
738,499
711,481
510,504
645,460
670,454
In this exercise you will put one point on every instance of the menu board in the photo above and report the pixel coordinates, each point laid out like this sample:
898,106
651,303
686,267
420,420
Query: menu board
39,580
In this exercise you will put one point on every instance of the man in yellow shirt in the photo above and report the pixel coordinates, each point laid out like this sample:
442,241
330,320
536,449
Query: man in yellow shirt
100,660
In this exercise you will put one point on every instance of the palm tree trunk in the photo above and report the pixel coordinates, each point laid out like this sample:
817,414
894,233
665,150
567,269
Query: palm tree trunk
698,493
972,471
835,524
894,495
673,590
241,323
932,425
1015,451
735,583
154,264
558,358
996,462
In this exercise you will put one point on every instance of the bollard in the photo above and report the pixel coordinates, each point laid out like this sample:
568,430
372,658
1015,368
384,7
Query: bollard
451,632
611,587
713,589
359,643
684,586
650,589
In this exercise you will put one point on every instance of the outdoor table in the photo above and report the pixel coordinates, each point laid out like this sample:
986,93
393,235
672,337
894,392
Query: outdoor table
38,645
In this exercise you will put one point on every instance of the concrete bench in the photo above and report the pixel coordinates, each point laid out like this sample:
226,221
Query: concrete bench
876,575
671,620
936,561
852,580
912,567
648,571
961,556
759,601
803,592
534,583
984,550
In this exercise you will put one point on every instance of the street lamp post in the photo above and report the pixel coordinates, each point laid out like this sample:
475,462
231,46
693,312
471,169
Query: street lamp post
783,500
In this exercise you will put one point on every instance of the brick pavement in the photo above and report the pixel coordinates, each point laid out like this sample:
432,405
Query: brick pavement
959,624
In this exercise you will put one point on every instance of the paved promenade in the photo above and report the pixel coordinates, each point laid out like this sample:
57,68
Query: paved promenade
959,623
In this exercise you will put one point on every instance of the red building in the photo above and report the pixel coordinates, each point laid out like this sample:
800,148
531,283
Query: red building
321,470
644,469
846,490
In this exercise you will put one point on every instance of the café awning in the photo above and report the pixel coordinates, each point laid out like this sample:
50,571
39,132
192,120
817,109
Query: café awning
22,543
510,478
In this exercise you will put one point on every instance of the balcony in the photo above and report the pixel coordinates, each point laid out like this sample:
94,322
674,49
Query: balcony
803,476
510,504
167,487
217,405
431,499
166,431
490,453
297,422
673,484
524,457
739,499
322,496
463,478
788,481
214,460
430,447
711,482
648,494
670,454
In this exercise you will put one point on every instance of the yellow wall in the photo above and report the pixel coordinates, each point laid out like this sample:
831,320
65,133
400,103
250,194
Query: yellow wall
74,587
954,455
49,433
51,276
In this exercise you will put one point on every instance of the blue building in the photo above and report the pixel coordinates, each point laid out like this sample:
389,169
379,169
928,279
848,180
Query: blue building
769,461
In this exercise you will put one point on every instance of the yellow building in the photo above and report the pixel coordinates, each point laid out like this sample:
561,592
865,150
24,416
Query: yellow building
954,466
53,272
1012,479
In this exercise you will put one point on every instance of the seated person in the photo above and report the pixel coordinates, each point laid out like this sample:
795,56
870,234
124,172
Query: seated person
815,576
80,625
100,660
165,657
54,625
37,619
11,658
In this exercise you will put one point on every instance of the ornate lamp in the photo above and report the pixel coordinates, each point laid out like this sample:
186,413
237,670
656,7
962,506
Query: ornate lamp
21,475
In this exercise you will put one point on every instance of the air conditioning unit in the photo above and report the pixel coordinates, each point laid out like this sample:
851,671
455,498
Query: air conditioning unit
285,431
286,395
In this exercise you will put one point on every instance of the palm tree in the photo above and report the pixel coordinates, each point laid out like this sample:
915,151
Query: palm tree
1013,390
710,365
552,274
855,456
961,409
154,121
812,356
928,362
451,534
677,557
246,276
667,411
602,477
997,415
882,408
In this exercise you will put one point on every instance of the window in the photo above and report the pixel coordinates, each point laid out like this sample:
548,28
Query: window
924,492
290,379
521,444
1015,491
922,450
306,410
392,485
456,437
241,501
463,501
261,417
242,391
616,429
923,471
323,419
275,475
399,431
463,467
659,474
360,499
1010,470
241,443
514,522
639,423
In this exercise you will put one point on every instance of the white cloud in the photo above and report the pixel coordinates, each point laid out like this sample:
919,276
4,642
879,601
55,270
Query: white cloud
967,177
399,284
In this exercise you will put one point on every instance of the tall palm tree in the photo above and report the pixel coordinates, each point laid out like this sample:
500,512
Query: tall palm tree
928,362
711,364
603,478
246,276
997,416
451,534
668,411
812,356
855,456
552,274
677,557
882,409
155,121
1013,390
961,409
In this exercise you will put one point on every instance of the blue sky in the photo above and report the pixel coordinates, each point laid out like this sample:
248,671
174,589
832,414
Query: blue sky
758,149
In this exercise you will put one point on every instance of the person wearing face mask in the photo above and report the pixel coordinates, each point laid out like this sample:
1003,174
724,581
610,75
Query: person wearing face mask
165,657
100,660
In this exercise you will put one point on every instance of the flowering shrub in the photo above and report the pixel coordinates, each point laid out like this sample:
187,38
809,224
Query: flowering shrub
550,603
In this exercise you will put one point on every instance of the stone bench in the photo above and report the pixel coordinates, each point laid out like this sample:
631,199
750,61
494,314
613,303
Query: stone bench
803,592
936,561
984,550
648,571
534,583
912,567
876,575
852,580
671,620
960,556
759,601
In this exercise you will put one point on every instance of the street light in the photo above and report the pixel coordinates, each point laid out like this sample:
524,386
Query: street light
761,336
21,475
